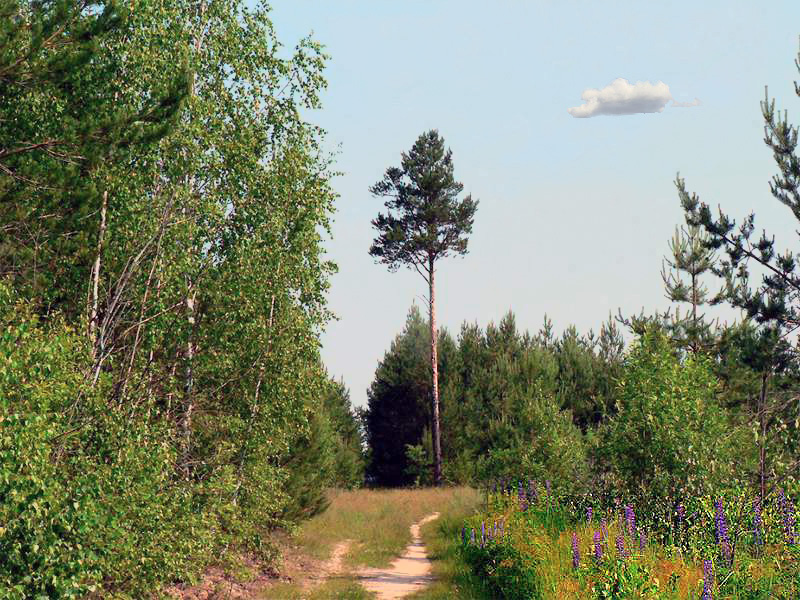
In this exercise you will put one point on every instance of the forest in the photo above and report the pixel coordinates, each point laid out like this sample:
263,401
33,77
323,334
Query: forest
164,206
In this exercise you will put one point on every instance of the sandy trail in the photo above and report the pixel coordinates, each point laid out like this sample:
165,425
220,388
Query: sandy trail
407,574
331,567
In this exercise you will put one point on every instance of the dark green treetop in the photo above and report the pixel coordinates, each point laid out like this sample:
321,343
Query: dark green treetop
425,220
777,298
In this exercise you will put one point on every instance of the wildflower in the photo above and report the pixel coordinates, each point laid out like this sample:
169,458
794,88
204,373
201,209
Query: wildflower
708,580
789,519
576,554
483,534
727,552
604,528
642,540
472,537
589,515
620,542
630,519
758,534
464,535
547,485
598,545
533,495
721,525
681,511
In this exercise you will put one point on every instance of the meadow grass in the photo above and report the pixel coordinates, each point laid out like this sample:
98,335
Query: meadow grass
454,578
377,523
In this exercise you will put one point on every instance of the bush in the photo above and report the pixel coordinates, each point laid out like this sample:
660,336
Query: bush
668,437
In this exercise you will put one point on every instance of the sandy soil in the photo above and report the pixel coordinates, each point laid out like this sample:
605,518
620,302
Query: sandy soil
407,574
330,567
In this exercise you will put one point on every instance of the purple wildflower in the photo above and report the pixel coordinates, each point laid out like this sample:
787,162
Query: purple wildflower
483,534
576,553
620,542
758,534
727,552
681,511
598,545
789,519
708,580
642,540
630,519
547,485
604,528
464,535
533,491
721,525
472,537
589,515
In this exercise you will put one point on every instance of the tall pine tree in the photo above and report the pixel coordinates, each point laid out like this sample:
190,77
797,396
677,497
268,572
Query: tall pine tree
425,221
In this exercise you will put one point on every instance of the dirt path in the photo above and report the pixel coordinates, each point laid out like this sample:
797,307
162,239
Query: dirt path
331,567
407,574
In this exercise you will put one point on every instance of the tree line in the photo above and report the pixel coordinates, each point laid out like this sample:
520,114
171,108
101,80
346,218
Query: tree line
162,292
688,407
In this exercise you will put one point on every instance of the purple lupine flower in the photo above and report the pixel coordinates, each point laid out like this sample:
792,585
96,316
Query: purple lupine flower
721,525
708,580
472,537
547,485
598,545
620,542
483,534
589,515
604,528
576,553
502,525
533,496
789,518
727,552
464,535
681,511
758,534
630,518
642,540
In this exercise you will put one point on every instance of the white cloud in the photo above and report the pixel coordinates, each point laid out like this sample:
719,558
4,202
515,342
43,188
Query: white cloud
621,97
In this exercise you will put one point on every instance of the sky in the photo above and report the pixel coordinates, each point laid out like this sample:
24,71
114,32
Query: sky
577,198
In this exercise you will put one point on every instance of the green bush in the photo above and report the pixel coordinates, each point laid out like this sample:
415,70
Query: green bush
667,439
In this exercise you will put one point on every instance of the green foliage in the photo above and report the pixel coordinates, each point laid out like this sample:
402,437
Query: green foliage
620,579
179,408
667,438
398,402
510,573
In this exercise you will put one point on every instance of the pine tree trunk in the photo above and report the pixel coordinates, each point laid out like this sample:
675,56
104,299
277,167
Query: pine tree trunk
437,449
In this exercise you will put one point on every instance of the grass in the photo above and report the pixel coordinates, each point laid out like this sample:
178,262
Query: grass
454,578
377,522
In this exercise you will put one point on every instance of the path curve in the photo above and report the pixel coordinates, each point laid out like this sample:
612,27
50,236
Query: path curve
407,574
331,567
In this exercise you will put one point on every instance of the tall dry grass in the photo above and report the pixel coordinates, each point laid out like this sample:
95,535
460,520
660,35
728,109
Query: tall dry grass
378,521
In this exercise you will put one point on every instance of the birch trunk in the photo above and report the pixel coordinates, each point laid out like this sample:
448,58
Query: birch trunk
94,283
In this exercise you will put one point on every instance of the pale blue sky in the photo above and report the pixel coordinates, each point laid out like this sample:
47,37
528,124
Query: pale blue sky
575,214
